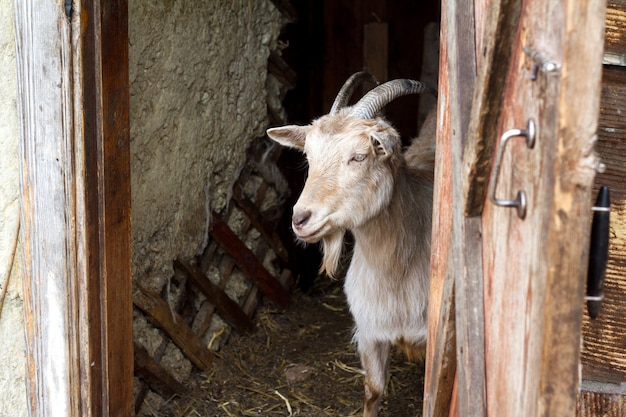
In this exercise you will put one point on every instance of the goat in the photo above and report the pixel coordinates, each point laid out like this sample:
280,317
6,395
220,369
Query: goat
360,180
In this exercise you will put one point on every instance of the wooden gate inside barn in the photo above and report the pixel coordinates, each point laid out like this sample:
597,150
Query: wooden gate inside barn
523,80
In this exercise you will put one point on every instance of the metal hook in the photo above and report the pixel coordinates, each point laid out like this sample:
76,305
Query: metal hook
520,201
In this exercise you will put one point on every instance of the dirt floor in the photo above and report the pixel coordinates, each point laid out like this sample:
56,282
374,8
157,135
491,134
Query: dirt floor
299,362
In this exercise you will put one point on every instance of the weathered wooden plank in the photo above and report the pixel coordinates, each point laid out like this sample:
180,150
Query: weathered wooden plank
593,404
441,347
225,306
604,338
568,243
615,35
111,143
76,231
465,252
252,299
161,381
45,108
247,262
535,268
159,313
495,56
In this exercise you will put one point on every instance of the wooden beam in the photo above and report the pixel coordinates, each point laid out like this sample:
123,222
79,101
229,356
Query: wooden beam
74,156
106,146
154,375
160,314
247,262
227,308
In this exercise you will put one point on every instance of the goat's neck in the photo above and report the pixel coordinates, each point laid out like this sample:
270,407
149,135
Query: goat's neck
400,230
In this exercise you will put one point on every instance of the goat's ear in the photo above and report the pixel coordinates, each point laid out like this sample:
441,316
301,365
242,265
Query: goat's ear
383,146
291,136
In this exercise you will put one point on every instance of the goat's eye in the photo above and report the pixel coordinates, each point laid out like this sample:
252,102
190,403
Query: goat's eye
358,157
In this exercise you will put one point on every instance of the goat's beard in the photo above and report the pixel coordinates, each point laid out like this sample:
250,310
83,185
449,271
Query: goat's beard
332,247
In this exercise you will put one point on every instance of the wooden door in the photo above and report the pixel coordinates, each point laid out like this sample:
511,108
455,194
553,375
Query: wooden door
507,287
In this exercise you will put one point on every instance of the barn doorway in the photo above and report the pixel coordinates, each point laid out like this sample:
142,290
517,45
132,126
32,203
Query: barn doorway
299,360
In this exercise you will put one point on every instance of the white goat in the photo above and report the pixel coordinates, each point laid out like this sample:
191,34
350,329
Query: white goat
360,180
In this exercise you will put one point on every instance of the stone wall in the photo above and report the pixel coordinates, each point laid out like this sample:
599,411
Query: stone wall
198,97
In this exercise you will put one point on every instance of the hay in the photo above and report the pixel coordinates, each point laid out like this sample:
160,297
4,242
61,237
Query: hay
249,377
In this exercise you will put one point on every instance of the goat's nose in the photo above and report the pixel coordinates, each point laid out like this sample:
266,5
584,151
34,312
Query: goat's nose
300,218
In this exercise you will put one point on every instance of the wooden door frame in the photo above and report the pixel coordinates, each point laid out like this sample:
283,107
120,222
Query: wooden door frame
73,107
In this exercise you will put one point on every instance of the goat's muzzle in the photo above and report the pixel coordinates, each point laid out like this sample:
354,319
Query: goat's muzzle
300,218
304,229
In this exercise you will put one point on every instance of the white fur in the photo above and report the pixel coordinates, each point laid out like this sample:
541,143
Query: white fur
359,180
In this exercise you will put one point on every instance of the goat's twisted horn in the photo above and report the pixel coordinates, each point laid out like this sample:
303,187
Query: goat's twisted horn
375,100
348,88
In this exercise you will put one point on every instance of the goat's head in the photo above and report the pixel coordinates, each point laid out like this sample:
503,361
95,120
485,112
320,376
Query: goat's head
353,156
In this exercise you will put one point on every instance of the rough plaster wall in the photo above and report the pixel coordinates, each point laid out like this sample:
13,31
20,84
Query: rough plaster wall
198,75
12,359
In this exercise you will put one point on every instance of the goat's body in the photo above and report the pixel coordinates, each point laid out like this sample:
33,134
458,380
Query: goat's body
387,282
360,180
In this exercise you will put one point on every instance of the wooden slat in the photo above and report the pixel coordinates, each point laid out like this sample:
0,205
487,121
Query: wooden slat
161,381
465,253
225,306
604,339
247,262
615,35
159,313
592,404
441,347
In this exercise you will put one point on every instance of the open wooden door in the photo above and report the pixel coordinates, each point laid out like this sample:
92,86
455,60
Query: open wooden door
520,80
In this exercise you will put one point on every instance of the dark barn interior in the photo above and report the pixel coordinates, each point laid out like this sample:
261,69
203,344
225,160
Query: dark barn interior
331,40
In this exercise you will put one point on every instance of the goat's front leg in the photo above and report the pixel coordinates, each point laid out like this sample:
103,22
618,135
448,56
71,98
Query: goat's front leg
375,361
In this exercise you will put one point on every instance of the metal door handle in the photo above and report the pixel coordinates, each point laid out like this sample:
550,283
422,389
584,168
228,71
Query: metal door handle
598,252
520,201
